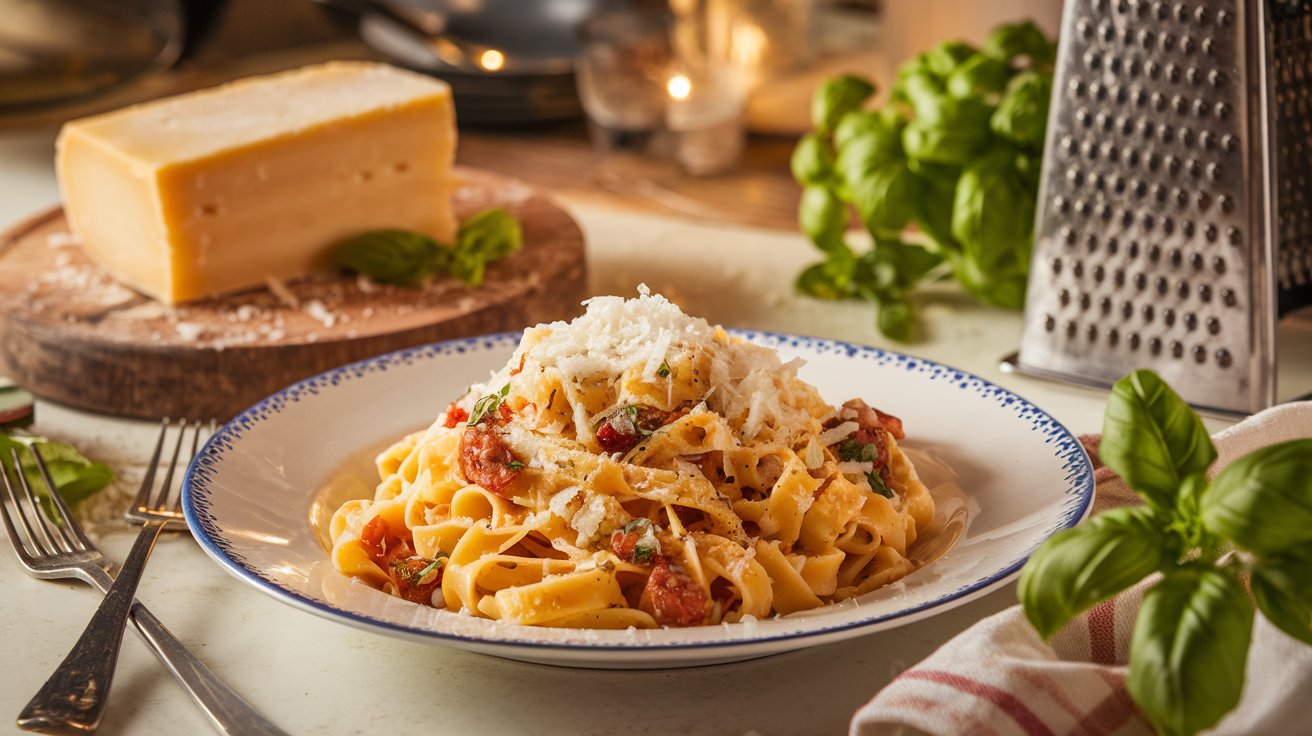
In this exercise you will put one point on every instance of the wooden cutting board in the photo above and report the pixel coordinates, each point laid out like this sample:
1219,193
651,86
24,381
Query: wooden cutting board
71,334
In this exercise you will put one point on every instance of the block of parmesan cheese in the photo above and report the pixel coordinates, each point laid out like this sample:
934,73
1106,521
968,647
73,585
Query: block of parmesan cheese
221,189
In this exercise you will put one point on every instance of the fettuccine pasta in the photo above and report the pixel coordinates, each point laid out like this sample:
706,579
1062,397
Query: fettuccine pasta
638,468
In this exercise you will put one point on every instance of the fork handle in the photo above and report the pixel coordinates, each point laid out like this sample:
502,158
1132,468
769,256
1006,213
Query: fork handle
74,698
228,712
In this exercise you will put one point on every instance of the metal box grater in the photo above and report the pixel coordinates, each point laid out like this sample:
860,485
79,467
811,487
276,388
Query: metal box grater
1175,211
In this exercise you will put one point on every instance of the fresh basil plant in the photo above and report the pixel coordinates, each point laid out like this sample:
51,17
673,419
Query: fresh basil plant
944,176
1252,522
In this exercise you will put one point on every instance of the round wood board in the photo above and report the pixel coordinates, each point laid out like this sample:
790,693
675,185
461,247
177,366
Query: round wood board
71,334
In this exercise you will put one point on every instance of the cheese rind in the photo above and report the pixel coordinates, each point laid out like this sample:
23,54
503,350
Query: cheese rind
222,189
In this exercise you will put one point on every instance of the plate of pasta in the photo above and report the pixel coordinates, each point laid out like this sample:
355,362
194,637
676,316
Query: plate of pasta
635,488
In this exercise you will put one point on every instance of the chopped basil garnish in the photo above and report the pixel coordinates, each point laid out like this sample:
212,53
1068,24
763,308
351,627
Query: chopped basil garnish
878,486
515,465
853,451
664,370
441,560
487,405
647,545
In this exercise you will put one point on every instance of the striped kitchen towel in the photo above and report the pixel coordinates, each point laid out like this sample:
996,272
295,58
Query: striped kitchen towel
1000,677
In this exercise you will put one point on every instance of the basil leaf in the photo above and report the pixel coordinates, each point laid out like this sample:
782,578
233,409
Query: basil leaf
878,486
822,217
398,257
75,476
979,76
1021,39
993,213
863,155
1152,439
812,161
836,98
1001,284
1079,567
1263,501
1022,114
1188,651
954,145
488,236
1282,585
896,318
885,198
943,59
883,128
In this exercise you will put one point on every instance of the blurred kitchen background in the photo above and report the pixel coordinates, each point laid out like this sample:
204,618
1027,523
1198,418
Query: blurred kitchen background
721,155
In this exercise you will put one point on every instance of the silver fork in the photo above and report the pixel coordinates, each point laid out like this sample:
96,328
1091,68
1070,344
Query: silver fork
60,549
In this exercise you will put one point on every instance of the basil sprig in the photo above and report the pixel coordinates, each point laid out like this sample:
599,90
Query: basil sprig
944,176
1253,521
409,259
75,476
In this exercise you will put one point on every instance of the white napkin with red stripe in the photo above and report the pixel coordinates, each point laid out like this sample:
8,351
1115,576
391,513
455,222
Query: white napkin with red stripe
1000,677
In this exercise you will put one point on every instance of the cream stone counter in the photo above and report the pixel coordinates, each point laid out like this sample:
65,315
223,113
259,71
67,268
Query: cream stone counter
314,676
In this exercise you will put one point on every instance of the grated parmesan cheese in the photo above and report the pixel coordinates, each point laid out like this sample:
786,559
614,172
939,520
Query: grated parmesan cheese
839,433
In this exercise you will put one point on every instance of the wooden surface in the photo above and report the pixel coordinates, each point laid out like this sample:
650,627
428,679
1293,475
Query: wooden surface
71,334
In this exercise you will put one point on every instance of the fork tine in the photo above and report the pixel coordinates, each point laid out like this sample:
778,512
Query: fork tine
8,497
195,445
67,522
166,487
49,546
147,483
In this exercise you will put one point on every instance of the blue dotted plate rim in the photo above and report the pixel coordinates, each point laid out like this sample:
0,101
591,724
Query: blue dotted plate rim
197,492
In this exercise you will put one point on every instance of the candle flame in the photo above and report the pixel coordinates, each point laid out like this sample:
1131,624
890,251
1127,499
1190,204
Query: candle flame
492,60
679,87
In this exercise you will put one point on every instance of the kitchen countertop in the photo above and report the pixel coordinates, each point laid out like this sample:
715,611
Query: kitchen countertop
311,675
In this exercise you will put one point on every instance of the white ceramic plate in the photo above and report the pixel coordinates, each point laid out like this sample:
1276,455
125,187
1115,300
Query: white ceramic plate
258,494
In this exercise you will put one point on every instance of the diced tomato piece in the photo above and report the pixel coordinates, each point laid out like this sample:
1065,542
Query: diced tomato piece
485,458
675,598
411,584
455,415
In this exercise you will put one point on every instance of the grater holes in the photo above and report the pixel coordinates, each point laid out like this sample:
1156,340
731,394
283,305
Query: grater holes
1105,305
1207,140
1210,232
1049,323
1186,137
1196,260
1187,228
1203,201
1061,204
1200,108
1127,310
1159,193
1177,349
1200,16
1155,345
1091,333
1190,321
1113,245
1146,40
1091,243
1222,110
1092,60
1193,76
1213,326
1158,101
1099,274
1223,358
1082,208
1168,226
1159,11
1218,265
1161,285
1187,44
1133,250
1178,12
1205,293
1055,264
1168,317
1071,328
1172,72
1118,278
1113,336
1085,302
1228,297
1180,197
1178,105
1200,354
1064,297
1134,341
1214,173
1194,168
1232,235
1182,289
1083,117
1147,312
1166,41
1154,253
1175,257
